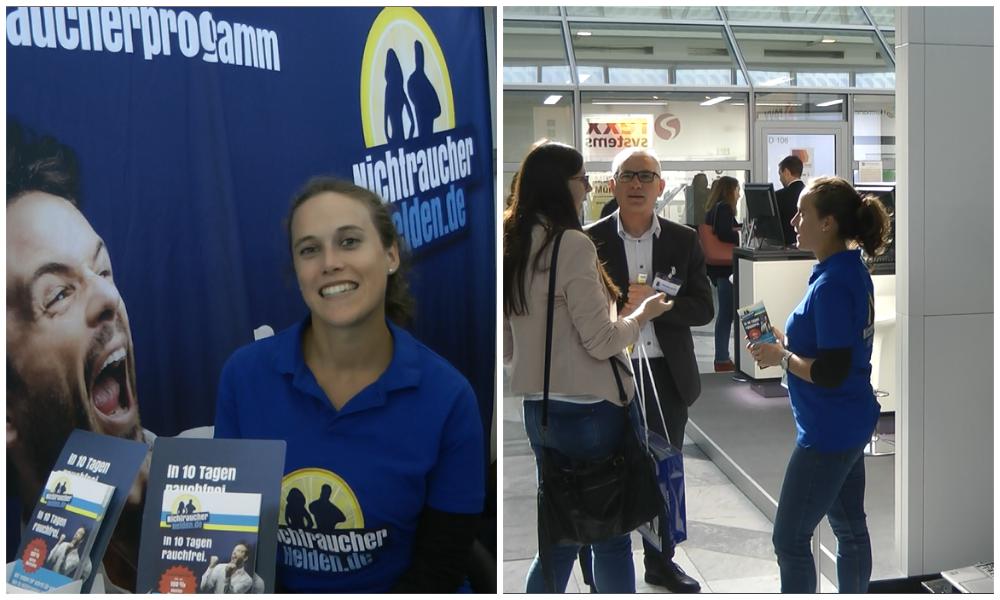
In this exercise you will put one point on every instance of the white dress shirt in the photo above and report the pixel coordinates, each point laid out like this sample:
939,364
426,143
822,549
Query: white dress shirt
639,256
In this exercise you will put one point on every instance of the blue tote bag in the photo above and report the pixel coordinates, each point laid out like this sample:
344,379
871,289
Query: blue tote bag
672,520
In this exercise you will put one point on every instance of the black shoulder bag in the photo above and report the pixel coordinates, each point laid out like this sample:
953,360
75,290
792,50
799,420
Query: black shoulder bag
582,502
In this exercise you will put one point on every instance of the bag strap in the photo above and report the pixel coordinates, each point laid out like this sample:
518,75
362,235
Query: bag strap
549,314
640,388
544,556
656,395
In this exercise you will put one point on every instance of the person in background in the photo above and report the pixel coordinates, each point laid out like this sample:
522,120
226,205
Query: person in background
826,352
585,408
382,434
634,241
696,197
721,215
790,174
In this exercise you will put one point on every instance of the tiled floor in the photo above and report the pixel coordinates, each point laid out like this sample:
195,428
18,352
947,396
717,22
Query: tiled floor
729,541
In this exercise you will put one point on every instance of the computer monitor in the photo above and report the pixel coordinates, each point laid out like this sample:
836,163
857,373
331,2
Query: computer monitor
763,218
887,196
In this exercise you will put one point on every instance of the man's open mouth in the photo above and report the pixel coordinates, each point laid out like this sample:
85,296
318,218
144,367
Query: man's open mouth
109,391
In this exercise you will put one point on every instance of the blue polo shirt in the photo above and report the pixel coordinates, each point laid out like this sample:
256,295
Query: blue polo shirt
357,479
838,311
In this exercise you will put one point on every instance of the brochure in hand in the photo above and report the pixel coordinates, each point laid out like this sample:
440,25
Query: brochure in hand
756,324
55,549
211,517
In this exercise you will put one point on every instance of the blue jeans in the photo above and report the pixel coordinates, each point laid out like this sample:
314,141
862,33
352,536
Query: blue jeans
723,318
816,484
581,432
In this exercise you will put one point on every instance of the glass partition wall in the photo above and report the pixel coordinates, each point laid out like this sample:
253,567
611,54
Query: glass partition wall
691,83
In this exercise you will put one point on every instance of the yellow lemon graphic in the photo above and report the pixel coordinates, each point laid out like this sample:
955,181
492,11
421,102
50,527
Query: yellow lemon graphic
190,503
401,54
307,496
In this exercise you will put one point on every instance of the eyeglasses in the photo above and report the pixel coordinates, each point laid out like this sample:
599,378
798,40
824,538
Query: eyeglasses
584,178
644,176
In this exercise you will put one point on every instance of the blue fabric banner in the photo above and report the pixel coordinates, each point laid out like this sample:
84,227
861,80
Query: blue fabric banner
193,128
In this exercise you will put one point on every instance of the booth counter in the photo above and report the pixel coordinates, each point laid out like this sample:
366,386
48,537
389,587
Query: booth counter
779,279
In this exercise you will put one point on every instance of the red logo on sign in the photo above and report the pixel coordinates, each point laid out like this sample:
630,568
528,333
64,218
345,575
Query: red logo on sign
667,126
34,555
177,580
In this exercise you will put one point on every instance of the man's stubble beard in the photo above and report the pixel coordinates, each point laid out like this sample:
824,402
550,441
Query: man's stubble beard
45,418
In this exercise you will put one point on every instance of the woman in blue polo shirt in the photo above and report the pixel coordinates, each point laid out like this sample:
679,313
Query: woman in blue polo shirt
826,353
384,473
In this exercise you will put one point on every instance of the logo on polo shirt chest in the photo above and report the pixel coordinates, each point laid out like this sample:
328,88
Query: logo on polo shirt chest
321,525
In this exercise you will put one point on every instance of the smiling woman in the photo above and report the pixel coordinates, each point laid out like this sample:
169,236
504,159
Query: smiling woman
364,238
383,435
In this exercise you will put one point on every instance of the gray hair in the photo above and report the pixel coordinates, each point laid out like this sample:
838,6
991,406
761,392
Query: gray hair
628,153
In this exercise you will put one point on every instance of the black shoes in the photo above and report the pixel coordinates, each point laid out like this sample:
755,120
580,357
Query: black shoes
672,577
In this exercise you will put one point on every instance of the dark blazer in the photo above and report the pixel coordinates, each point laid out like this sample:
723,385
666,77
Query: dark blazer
676,246
788,205
609,207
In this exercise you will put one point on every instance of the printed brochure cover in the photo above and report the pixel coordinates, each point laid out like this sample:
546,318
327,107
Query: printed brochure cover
210,523
756,324
207,543
56,544
117,462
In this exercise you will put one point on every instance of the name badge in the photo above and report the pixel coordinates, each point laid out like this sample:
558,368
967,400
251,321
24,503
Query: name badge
668,284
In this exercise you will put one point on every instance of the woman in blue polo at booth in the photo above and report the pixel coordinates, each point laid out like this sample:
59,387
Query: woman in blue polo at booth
826,353
384,469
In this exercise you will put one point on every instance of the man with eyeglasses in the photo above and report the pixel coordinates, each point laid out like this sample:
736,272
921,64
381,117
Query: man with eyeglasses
640,249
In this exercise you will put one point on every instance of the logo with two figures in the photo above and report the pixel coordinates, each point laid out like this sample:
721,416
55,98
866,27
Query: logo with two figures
405,85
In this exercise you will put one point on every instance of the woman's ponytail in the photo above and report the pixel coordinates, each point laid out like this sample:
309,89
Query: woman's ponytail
862,220
873,231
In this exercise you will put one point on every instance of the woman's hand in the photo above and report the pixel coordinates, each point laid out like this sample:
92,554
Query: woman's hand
780,335
767,355
651,308
637,292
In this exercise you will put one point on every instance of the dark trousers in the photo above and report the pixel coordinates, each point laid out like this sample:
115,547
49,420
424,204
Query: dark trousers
675,412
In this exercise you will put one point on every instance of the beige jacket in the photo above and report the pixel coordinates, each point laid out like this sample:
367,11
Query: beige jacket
585,331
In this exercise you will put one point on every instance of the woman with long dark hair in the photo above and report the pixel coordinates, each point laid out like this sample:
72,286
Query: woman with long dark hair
721,215
826,353
585,412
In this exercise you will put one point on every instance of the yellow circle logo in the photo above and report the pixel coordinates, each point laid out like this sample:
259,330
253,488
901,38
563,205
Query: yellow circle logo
318,500
62,485
185,504
405,85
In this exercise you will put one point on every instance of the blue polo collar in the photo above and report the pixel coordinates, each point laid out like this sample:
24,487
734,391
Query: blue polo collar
837,260
403,371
